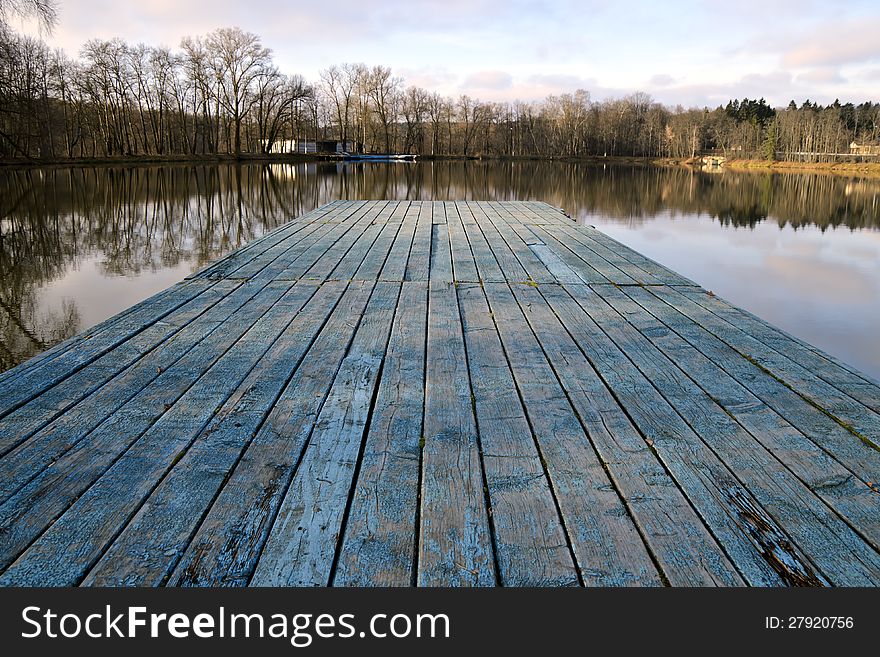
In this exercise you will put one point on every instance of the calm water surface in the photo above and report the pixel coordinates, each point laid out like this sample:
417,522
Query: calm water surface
78,245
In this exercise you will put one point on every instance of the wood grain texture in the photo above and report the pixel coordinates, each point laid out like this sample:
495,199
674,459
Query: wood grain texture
470,393
455,544
378,548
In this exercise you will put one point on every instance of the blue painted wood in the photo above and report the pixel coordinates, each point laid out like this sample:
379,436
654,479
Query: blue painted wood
584,271
148,549
712,487
530,541
302,543
860,419
64,432
374,262
464,265
378,547
29,383
419,262
534,268
254,257
487,266
847,380
146,353
827,542
669,521
441,253
395,265
571,237
455,545
510,266
605,539
225,549
105,476
264,423
260,248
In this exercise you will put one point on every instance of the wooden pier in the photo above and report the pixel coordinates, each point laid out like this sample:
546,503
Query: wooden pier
438,393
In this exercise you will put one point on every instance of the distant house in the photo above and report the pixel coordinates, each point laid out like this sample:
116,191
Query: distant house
864,149
312,146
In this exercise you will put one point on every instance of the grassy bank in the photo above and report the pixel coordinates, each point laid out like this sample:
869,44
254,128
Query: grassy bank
843,168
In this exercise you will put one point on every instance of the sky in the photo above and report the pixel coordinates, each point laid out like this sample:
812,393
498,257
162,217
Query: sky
687,52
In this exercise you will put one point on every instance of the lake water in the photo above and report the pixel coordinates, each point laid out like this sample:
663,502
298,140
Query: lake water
78,245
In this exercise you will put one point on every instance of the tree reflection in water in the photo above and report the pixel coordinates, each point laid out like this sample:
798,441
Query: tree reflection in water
137,221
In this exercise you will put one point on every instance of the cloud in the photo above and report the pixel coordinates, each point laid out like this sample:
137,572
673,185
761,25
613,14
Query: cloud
559,83
824,75
528,49
487,80
777,87
833,44
661,80
430,78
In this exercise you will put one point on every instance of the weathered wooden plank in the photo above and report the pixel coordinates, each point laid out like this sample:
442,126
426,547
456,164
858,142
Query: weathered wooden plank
609,271
145,352
7,377
148,549
539,213
530,542
278,266
711,486
441,253
267,253
374,262
419,264
842,489
510,266
347,266
438,214
513,435
258,247
827,434
608,548
855,385
535,269
685,549
302,543
582,235
455,545
852,414
293,248
583,270
662,274
487,265
59,436
225,549
823,538
348,242
106,476
299,259
31,382
464,267
378,547
395,266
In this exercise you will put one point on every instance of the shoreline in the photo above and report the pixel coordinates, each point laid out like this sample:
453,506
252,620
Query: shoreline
860,169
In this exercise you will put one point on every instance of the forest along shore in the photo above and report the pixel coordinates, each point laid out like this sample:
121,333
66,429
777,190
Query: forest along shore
222,94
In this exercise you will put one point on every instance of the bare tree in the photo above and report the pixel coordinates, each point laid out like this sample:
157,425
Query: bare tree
383,90
237,58
44,11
